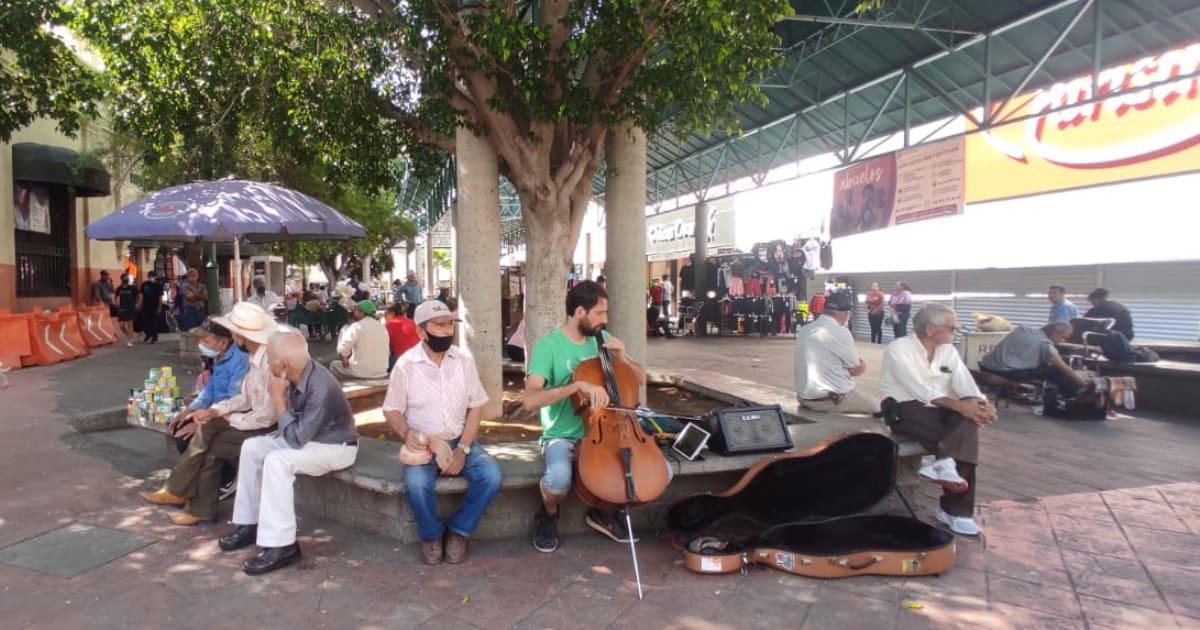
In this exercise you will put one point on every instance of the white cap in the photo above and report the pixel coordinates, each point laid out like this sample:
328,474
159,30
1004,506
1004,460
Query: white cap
432,309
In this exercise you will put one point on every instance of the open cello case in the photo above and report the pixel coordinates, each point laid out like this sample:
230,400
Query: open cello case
802,513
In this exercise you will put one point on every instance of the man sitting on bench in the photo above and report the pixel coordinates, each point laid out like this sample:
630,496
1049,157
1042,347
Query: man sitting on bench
1031,354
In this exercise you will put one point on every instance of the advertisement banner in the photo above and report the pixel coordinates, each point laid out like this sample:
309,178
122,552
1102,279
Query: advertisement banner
672,234
1136,132
920,183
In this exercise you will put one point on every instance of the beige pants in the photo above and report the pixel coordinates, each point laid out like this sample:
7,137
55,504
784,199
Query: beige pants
853,402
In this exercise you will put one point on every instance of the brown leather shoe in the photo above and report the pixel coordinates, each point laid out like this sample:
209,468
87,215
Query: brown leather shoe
186,520
456,548
431,551
162,497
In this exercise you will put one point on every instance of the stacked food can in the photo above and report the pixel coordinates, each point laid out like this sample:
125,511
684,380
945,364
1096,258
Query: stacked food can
158,400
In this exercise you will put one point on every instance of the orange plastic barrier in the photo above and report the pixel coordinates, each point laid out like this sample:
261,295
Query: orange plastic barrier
91,326
14,339
107,324
69,334
43,340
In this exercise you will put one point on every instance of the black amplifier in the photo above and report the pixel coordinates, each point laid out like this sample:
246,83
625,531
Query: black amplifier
737,430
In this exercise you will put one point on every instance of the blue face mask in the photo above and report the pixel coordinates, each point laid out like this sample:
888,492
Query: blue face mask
209,352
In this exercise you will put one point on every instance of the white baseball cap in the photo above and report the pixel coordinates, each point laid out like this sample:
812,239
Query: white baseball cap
432,309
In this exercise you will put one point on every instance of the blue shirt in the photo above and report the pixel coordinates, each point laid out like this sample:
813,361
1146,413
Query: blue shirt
226,380
411,292
1063,312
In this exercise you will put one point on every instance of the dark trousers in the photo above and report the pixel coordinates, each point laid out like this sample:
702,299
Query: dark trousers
876,321
1063,382
149,319
900,326
516,353
197,475
946,434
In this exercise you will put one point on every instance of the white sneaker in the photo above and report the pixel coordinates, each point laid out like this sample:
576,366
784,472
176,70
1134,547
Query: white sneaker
963,525
128,344
942,472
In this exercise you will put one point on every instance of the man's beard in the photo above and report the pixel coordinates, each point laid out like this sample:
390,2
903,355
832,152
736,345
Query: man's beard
588,331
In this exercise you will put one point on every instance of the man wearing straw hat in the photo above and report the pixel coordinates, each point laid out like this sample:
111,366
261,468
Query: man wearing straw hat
220,430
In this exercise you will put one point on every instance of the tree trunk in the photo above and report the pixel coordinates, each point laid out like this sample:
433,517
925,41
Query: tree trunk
550,245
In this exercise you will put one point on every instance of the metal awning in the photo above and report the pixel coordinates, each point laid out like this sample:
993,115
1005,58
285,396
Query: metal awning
47,164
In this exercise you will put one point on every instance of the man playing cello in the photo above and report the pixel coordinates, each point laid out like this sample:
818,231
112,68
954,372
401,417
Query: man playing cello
549,388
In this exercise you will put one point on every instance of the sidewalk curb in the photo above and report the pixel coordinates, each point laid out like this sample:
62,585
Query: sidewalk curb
103,420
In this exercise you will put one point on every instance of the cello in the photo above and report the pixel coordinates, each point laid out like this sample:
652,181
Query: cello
618,466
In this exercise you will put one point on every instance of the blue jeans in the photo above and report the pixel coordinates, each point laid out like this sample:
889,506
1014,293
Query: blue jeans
559,454
483,484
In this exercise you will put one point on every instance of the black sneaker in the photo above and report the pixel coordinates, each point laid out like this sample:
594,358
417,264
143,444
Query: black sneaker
611,524
545,531
227,490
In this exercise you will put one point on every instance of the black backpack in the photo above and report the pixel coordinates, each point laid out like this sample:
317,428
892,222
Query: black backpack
1117,349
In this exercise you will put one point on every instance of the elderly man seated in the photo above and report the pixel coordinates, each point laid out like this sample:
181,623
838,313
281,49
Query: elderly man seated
1031,354
930,398
363,346
826,362
316,436
217,428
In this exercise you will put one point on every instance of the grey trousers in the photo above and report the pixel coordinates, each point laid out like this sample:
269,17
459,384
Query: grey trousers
946,434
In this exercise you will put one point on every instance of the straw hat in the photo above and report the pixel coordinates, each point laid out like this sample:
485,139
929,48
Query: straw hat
250,321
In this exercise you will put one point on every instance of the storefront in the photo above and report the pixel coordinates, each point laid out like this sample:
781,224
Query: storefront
49,191
671,239
1099,194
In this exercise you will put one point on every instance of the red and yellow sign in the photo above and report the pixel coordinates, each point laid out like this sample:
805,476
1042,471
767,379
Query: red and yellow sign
1135,132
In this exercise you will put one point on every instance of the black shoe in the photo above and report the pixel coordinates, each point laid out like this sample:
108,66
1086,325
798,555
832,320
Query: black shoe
611,524
272,558
545,531
240,538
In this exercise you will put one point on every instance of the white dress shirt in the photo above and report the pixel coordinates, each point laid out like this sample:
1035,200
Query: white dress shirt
908,374
825,353
434,399
251,408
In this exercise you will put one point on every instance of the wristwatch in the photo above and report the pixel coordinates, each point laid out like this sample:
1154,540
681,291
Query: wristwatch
466,448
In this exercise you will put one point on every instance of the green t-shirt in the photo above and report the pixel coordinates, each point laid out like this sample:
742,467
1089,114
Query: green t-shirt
555,358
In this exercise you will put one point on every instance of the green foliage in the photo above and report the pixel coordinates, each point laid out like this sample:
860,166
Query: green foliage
39,75
218,87
376,212
275,91
601,63
441,258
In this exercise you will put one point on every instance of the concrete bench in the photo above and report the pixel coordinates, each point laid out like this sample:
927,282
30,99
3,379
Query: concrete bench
369,495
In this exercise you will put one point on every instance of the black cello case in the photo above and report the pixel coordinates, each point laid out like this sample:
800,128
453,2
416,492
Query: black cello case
801,512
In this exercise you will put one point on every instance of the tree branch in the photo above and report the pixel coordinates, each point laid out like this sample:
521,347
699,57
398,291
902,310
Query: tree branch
424,134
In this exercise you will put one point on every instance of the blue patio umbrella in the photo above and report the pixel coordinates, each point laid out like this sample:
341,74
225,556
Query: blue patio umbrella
229,210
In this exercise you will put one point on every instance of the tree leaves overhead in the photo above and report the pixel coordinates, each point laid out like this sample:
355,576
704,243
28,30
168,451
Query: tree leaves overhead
601,62
199,80
39,75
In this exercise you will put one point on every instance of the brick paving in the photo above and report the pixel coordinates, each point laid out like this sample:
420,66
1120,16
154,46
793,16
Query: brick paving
1126,555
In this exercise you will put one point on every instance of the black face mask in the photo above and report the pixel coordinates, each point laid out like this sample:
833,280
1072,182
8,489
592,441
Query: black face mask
439,344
